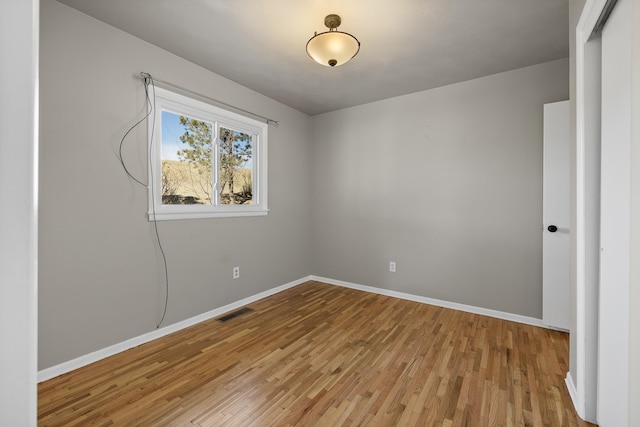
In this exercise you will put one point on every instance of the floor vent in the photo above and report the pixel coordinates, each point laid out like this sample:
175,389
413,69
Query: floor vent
234,314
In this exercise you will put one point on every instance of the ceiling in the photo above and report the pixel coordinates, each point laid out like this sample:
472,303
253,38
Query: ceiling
406,45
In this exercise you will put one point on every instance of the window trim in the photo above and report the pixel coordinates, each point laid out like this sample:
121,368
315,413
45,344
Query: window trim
166,100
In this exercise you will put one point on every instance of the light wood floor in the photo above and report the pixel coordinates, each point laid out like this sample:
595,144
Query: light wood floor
321,355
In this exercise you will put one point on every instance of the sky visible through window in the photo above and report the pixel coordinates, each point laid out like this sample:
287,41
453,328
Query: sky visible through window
172,130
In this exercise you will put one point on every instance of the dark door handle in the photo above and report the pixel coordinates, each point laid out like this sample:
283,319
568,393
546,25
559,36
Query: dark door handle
552,228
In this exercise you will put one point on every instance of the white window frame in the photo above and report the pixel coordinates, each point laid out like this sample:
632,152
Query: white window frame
166,100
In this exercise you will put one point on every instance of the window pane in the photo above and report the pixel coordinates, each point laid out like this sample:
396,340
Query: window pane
186,160
236,167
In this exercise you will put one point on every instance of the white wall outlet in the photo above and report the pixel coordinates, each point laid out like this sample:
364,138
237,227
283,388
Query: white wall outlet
236,272
392,266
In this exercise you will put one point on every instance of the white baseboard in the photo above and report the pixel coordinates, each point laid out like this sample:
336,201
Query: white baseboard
63,368
579,406
440,303
95,356
573,393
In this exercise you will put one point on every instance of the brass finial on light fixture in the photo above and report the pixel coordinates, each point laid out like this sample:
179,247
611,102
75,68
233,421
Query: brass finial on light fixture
332,47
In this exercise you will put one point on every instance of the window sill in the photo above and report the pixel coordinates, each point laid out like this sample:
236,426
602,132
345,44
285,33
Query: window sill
168,216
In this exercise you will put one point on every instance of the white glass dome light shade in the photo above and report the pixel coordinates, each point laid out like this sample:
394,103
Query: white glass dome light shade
332,48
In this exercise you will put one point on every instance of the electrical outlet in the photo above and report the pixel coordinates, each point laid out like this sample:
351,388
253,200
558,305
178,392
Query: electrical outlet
392,266
236,272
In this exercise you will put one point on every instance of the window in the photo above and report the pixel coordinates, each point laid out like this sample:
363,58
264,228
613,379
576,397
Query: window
205,162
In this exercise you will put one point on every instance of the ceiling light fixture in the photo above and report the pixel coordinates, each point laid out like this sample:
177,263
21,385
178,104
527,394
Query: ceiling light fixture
332,47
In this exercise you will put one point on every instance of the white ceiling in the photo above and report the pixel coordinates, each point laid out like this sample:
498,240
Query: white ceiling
406,45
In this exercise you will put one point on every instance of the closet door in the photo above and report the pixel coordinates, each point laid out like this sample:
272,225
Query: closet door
613,347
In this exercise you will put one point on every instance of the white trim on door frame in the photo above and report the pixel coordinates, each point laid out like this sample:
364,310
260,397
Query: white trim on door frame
578,389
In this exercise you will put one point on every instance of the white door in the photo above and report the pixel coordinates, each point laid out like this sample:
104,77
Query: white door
556,244
615,219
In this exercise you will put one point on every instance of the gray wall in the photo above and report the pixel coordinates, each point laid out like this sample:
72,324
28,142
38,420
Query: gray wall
446,182
100,273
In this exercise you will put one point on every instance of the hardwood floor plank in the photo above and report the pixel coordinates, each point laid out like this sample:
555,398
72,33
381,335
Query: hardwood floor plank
321,355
